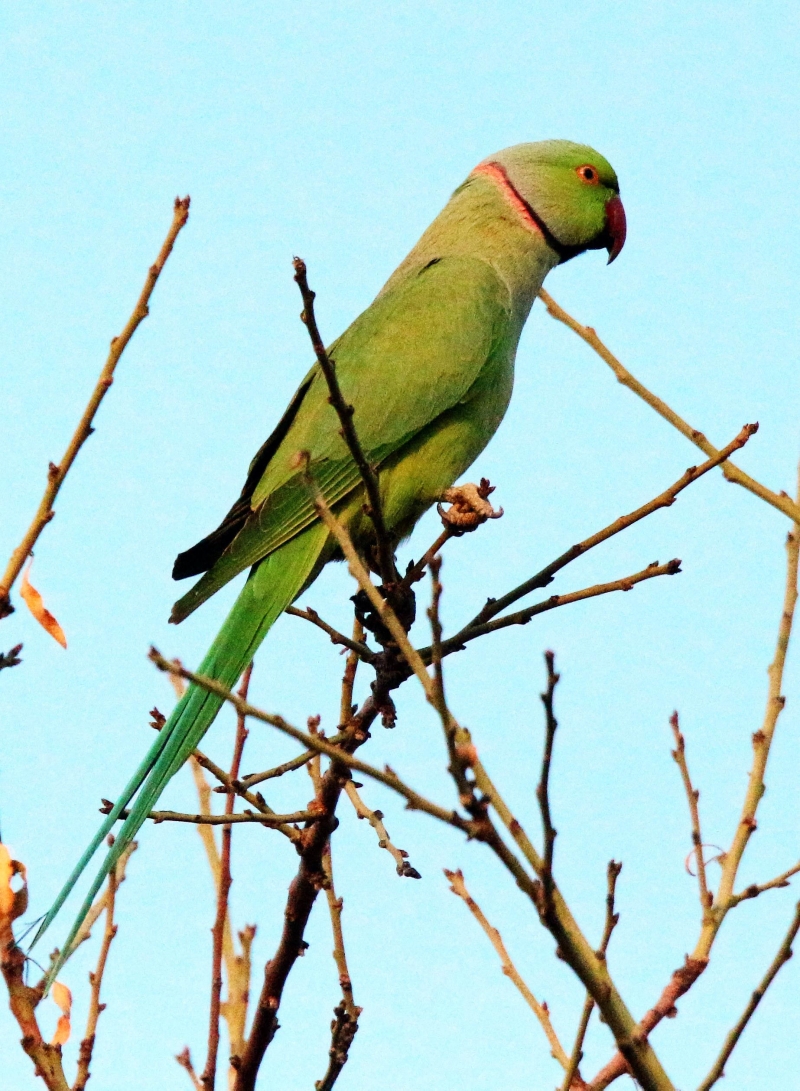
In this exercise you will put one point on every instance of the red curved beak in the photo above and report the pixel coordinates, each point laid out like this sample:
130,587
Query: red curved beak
616,227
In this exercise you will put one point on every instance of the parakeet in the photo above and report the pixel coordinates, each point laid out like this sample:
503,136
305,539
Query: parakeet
428,368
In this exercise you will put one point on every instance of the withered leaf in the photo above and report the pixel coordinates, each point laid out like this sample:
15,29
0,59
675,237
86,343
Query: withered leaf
13,903
63,998
33,600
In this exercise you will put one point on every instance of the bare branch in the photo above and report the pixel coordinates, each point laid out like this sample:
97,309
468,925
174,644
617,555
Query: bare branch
345,414
277,770
184,1059
543,789
522,617
681,981
554,912
762,741
346,1013
755,889
96,981
317,743
540,1010
375,819
664,500
255,799
357,647
270,820
346,706
778,500
57,473
208,1079
23,1000
692,796
572,1078
782,957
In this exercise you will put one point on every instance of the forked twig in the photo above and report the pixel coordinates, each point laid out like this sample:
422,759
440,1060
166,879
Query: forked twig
665,499
572,1079
184,1059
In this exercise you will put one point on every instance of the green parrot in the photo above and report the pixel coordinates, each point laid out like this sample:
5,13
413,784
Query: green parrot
428,368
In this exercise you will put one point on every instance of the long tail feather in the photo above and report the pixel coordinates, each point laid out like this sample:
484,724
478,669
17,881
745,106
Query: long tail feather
274,585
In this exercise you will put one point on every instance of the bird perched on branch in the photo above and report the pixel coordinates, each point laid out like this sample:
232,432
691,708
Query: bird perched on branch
428,369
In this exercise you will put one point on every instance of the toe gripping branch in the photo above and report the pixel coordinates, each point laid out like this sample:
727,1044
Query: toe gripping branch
470,507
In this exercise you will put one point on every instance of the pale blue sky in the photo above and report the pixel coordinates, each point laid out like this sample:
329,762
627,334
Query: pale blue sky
337,132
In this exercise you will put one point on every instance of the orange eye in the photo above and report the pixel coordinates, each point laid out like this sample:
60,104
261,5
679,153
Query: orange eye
587,173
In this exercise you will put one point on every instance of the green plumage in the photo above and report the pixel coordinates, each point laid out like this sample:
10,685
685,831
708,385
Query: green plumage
428,368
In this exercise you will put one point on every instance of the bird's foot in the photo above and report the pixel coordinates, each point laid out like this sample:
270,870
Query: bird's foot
470,506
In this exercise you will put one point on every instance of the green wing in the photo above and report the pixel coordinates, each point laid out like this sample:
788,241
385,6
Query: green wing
411,356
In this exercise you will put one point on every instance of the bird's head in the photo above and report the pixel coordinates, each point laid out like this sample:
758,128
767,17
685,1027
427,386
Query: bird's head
568,191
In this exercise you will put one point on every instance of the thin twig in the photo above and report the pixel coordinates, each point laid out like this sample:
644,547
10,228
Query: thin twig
755,889
358,647
782,957
346,706
543,788
237,964
317,743
303,890
208,1079
184,1059
554,912
375,819
96,981
345,413
101,904
664,500
10,658
203,819
255,799
277,770
681,981
416,571
522,617
540,1010
725,899
345,1015
732,472
762,741
460,753
692,796
572,1078
270,820
57,473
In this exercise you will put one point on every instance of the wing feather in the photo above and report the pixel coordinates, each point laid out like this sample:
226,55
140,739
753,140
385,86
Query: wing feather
410,357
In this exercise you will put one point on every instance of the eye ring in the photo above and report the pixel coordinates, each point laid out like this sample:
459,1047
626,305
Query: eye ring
588,174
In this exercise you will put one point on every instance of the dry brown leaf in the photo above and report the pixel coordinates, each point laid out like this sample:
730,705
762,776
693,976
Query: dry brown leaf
63,997
6,874
35,603
13,903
